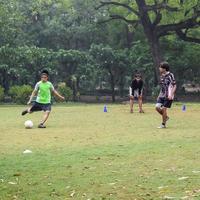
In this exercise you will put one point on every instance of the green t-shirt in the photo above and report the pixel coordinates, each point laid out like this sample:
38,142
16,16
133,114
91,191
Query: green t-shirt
44,90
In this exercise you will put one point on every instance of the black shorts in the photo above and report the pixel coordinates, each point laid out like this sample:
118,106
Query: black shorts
40,106
164,102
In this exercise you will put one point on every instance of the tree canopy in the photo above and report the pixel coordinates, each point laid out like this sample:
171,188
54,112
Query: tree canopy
94,45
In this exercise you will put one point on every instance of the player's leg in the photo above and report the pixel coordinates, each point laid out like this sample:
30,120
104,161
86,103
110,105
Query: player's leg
35,107
44,119
131,104
47,110
159,105
163,111
24,112
159,110
164,116
167,104
140,104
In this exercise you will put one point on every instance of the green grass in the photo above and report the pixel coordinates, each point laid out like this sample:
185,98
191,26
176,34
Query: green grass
89,154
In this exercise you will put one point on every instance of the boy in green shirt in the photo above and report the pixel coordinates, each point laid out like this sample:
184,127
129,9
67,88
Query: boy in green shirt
43,90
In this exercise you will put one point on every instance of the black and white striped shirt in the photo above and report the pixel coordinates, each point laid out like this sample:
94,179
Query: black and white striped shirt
166,81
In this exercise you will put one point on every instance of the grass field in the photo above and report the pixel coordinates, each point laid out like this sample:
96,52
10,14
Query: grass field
88,154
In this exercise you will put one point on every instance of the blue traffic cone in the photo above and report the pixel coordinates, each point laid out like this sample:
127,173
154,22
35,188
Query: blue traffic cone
184,108
105,109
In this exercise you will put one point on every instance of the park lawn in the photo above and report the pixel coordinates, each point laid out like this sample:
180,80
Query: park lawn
85,153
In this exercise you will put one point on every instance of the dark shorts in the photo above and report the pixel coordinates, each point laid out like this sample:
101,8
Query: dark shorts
40,106
164,102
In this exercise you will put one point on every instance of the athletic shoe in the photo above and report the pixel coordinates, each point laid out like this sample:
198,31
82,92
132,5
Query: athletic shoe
141,111
24,112
41,126
162,126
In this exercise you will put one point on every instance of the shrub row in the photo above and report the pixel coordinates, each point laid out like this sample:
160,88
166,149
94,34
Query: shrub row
21,94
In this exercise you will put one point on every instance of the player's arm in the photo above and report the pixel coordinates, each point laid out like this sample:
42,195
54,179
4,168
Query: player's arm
55,93
140,88
131,88
34,93
131,91
172,93
173,88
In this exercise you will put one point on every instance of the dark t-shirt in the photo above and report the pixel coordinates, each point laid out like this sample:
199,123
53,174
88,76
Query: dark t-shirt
137,85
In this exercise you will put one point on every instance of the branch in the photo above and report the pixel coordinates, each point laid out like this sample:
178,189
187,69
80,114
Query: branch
119,17
124,19
163,30
161,6
157,19
104,3
184,37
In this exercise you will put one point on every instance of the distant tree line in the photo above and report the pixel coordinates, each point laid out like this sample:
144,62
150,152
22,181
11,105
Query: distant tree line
98,45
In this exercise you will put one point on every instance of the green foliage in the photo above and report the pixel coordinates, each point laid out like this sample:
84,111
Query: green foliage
155,91
65,37
65,91
11,22
22,65
20,94
184,60
1,93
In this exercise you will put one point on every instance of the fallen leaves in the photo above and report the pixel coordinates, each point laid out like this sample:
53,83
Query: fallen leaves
27,151
195,172
168,197
12,183
72,193
183,178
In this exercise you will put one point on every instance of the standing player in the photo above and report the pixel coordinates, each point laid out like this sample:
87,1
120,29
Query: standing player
43,90
166,96
135,91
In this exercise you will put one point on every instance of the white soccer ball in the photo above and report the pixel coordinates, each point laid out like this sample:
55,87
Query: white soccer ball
28,124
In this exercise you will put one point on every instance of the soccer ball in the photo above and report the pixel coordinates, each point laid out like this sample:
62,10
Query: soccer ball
28,124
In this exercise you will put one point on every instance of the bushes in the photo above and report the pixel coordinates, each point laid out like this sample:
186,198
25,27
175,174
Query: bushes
20,94
155,91
1,93
65,91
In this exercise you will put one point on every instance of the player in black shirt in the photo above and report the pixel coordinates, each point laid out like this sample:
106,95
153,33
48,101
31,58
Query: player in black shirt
166,96
135,91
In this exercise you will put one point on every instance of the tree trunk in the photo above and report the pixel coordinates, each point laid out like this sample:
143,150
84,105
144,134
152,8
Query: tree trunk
151,34
129,37
112,83
5,82
121,85
157,56
74,89
78,83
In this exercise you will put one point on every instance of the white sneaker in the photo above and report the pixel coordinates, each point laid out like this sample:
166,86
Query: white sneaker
162,126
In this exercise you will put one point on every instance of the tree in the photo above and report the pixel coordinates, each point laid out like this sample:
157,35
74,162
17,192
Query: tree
153,17
11,22
22,65
113,62
72,66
